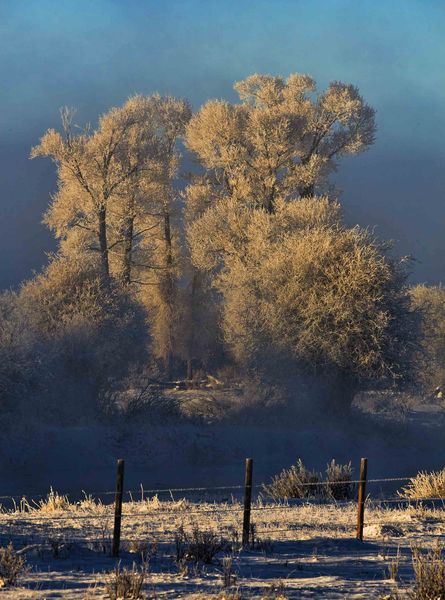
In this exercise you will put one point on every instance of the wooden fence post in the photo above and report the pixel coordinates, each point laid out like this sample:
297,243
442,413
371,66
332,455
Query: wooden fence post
361,498
118,507
247,501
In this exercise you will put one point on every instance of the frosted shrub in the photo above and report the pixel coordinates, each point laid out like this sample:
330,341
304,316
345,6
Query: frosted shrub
125,583
299,482
429,571
425,485
319,296
338,479
198,546
12,566
431,302
295,482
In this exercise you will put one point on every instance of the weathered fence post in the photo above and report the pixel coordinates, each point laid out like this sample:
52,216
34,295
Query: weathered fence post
361,498
118,507
247,501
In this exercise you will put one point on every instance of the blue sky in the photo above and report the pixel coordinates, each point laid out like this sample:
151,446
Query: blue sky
94,54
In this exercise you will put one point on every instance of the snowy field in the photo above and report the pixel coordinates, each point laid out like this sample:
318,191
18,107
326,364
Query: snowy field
301,550
308,551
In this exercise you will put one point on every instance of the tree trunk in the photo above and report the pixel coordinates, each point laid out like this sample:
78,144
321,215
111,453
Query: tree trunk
168,287
270,206
128,250
191,337
103,244
341,394
128,234
189,369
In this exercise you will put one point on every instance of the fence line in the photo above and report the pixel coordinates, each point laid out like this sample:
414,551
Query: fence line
209,488
240,511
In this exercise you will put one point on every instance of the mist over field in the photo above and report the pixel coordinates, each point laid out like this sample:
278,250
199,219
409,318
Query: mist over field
222,245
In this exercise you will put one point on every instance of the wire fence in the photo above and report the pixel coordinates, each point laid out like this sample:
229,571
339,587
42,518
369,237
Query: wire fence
140,517
143,492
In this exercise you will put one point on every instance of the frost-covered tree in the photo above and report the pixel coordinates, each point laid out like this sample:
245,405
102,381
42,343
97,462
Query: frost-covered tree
281,141
278,144
117,197
99,172
299,288
161,294
87,331
430,300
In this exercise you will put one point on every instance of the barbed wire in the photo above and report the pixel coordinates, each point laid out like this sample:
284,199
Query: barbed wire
167,490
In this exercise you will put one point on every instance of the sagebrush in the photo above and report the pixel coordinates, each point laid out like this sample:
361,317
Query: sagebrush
12,566
125,583
197,546
429,573
425,485
300,482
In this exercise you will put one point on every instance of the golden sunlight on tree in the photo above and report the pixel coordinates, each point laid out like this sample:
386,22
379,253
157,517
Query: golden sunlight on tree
282,140
302,289
116,198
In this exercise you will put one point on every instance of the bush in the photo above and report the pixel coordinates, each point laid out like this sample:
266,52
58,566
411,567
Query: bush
296,482
19,360
338,480
425,485
299,482
70,335
12,566
136,400
126,584
429,572
198,546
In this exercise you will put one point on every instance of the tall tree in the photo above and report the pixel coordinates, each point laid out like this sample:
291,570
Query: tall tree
97,168
163,245
117,195
281,141
278,144
302,293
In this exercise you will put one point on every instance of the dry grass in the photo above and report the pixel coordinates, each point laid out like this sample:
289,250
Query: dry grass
425,485
149,527
277,591
429,573
274,591
54,502
151,521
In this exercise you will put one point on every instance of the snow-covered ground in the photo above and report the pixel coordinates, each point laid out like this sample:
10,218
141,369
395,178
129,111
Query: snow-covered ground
311,548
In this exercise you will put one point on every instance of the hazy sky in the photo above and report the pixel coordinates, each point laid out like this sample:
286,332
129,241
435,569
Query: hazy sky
92,54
